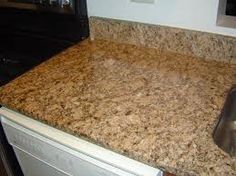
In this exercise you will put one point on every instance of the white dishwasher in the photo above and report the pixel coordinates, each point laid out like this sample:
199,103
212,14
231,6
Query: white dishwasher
45,151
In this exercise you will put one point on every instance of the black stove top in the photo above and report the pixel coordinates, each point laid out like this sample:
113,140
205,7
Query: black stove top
13,65
19,53
28,38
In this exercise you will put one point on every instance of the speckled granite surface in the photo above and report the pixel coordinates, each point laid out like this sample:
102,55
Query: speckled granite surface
156,107
194,43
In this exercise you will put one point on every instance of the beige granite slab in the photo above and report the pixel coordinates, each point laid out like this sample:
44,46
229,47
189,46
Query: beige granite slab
194,43
157,107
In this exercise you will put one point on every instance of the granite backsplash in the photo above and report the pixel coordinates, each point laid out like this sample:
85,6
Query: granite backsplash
193,43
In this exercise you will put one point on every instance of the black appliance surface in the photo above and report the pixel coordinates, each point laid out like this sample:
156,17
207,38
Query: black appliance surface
19,53
28,38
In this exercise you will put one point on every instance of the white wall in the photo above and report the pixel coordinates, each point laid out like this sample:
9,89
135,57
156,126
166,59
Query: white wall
189,14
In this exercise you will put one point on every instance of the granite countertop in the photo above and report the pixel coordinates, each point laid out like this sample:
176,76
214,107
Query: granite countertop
153,106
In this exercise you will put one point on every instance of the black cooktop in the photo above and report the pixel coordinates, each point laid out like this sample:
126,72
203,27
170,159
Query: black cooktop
28,38
20,52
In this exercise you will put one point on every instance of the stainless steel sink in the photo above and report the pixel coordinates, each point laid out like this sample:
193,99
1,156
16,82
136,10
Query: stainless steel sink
225,131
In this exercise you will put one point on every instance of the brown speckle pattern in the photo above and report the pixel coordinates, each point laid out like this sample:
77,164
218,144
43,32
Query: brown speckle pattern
156,107
193,43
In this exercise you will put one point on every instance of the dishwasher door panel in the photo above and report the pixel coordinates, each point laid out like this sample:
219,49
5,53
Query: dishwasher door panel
31,166
49,153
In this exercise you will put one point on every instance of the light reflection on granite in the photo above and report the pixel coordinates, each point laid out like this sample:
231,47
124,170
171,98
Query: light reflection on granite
156,107
194,43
